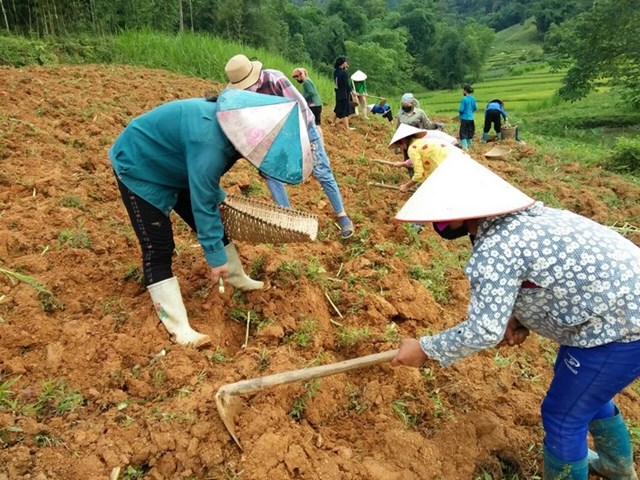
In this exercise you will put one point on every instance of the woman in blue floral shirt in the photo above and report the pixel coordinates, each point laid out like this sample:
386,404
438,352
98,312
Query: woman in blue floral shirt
553,272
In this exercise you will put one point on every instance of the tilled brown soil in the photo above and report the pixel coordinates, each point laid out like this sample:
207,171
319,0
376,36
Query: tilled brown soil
90,383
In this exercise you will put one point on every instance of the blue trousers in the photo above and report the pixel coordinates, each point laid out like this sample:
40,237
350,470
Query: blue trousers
322,172
584,384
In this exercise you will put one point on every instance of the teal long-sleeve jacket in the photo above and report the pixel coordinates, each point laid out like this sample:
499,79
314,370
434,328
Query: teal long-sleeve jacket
178,146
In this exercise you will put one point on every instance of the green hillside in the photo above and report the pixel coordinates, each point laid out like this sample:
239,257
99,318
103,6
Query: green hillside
514,49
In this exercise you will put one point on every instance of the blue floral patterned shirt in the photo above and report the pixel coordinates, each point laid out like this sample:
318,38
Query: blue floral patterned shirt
581,284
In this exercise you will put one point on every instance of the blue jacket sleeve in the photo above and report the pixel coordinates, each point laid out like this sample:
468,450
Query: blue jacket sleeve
209,154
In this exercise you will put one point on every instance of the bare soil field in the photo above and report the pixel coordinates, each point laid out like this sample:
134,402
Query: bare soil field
91,385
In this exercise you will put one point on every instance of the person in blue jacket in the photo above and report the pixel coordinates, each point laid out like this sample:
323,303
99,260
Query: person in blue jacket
172,158
493,114
466,110
383,109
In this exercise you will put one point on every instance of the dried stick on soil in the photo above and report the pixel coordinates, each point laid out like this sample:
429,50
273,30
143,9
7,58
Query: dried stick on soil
246,335
334,307
384,162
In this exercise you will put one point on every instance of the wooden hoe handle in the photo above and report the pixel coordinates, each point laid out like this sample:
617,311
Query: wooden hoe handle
255,384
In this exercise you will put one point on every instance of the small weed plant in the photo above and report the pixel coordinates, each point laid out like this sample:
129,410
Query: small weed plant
217,356
72,202
315,271
55,398
433,279
402,410
133,273
349,336
74,238
256,267
304,334
356,402
300,403
48,302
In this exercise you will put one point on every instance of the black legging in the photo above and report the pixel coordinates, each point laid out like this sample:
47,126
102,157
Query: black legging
492,116
154,232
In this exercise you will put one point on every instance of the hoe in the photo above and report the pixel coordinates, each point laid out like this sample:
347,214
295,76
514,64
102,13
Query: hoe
227,404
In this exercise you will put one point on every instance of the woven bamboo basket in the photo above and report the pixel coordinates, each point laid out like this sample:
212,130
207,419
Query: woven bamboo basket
255,221
509,132
499,152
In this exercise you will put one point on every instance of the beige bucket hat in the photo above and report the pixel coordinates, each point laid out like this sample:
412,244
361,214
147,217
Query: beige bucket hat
359,76
242,72
461,189
405,131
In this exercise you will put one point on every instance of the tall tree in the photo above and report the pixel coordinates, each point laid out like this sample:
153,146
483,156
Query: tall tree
601,44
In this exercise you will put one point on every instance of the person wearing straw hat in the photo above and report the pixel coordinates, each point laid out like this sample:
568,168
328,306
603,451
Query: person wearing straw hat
244,74
551,271
173,157
359,79
423,156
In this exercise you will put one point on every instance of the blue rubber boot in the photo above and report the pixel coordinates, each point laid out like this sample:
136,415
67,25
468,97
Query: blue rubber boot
613,458
485,137
556,469
464,144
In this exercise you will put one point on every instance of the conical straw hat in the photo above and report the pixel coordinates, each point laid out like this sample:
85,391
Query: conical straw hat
269,131
441,136
359,76
405,131
461,189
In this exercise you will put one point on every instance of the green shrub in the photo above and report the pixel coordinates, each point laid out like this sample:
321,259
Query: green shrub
625,157
19,52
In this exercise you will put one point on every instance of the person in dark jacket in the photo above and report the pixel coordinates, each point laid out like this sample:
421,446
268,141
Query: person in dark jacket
342,86
493,114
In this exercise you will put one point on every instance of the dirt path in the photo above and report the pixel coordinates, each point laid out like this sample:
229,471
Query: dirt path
89,380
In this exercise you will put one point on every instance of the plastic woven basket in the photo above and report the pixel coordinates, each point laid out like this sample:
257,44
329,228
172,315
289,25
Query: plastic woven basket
509,132
255,221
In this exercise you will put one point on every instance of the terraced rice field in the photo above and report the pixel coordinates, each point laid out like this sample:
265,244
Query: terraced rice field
518,93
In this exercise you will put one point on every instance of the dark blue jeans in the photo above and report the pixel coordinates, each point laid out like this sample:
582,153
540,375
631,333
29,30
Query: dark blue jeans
154,232
584,384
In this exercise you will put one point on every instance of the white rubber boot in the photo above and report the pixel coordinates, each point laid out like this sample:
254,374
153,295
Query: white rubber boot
237,277
167,300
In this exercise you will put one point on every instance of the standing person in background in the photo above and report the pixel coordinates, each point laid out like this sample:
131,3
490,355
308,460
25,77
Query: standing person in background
360,85
342,87
492,115
173,158
551,271
310,94
466,110
411,114
245,74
